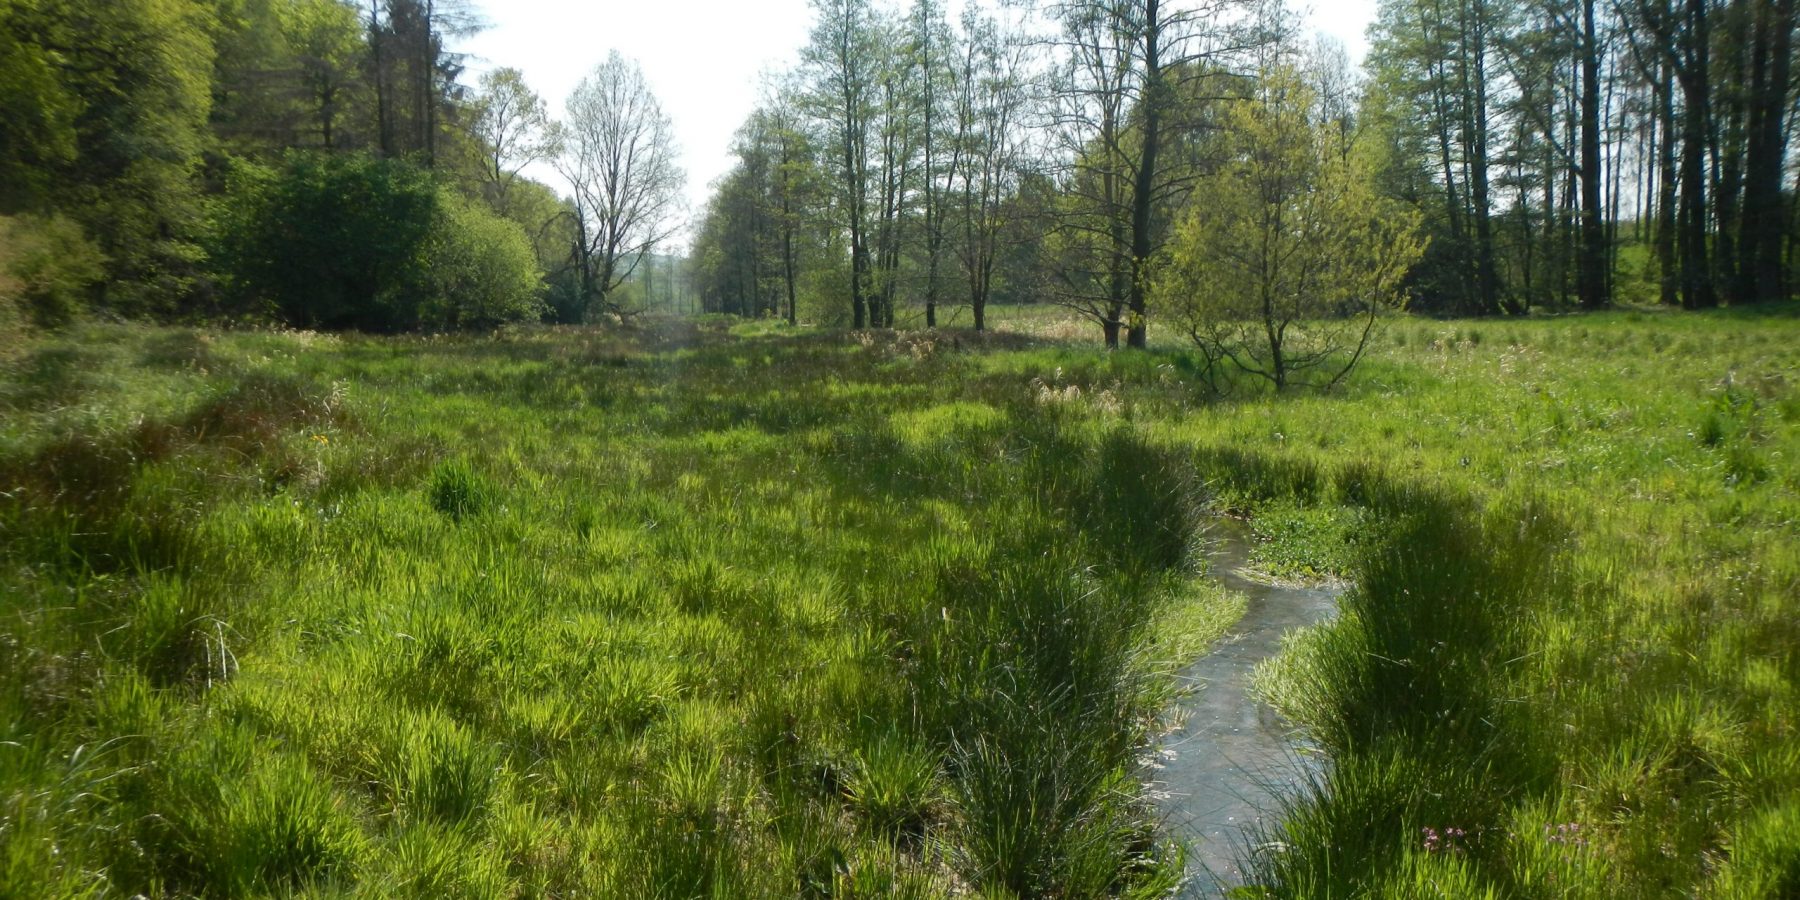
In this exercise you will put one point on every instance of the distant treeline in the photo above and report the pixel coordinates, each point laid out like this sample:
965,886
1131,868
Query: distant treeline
323,164
1556,153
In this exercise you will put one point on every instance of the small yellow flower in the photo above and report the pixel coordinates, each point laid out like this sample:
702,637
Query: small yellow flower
321,439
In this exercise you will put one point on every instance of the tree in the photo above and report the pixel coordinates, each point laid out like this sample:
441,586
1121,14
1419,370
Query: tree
37,108
841,63
896,171
794,185
931,44
350,240
481,269
1287,266
512,127
286,74
413,74
1430,60
1762,275
990,103
619,157
1594,261
130,99
1127,65
329,45
1681,36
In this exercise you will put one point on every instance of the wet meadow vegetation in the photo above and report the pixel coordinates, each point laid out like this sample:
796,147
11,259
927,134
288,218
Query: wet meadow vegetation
735,609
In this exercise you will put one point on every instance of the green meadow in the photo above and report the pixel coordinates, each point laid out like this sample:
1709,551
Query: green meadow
731,609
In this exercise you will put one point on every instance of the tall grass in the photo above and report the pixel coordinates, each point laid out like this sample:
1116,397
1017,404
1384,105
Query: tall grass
674,613
691,610
1560,671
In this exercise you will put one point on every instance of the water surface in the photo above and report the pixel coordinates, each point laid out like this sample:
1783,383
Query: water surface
1232,755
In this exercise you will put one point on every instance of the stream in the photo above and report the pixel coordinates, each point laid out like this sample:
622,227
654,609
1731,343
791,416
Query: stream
1232,755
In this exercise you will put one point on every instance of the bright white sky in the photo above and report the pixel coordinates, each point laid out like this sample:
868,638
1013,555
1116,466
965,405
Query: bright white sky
704,59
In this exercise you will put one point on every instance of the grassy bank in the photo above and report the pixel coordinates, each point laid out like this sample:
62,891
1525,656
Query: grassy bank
568,614
1568,665
748,611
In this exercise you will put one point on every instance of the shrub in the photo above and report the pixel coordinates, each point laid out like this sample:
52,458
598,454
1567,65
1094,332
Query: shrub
482,272
349,241
1283,273
329,241
48,268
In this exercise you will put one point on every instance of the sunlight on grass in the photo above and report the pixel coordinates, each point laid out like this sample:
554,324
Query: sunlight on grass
769,612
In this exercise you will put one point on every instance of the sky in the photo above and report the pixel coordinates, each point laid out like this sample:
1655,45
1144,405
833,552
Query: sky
706,60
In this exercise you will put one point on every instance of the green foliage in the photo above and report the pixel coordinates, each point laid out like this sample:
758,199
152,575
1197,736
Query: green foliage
1140,507
330,241
1282,270
1032,673
458,491
1295,541
481,270
579,667
48,269
135,78
351,241
1764,856
439,771
543,217
276,827
37,113
895,786
305,60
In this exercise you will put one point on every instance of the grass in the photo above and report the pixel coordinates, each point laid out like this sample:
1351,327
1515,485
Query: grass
564,613
737,610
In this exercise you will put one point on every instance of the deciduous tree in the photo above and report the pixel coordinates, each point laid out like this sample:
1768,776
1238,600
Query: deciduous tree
619,157
1286,267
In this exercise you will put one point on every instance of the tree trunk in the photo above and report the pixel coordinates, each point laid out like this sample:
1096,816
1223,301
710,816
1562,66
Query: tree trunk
427,63
1725,136
1487,280
1696,275
1591,271
384,131
1761,275
1143,190
1452,201
933,224
1669,267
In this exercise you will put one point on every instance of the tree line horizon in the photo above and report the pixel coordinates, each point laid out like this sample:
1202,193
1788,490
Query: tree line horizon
1197,163
1563,155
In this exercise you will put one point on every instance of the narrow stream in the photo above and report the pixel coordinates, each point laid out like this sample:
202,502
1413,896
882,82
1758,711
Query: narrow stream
1232,753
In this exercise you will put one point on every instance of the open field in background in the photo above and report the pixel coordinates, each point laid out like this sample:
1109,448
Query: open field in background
730,608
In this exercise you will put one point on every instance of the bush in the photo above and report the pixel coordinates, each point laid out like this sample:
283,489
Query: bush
482,271
349,241
48,268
